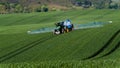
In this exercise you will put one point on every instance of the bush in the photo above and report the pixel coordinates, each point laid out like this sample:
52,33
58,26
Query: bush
113,6
42,8
45,9
38,9
26,10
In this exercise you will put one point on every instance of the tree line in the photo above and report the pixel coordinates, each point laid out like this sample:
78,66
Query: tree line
22,6
27,6
98,4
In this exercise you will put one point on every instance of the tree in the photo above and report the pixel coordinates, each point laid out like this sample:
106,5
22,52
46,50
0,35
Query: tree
25,5
87,4
18,8
100,4
12,8
2,9
117,2
113,6
7,6
44,8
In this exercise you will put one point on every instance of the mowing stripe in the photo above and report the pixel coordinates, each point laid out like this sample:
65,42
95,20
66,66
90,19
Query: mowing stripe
25,48
104,47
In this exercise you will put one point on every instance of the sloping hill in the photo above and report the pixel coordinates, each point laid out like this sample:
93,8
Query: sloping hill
96,47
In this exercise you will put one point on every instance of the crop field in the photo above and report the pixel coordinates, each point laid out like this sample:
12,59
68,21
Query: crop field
84,48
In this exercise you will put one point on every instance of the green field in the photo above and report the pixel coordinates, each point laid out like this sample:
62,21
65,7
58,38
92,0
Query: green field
87,48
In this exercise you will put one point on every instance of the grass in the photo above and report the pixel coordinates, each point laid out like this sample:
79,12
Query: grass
87,48
65,64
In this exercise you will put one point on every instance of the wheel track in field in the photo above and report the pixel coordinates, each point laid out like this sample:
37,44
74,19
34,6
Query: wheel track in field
24,48
106,46
112,50
13,44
